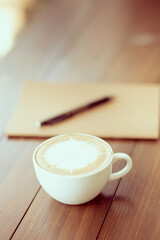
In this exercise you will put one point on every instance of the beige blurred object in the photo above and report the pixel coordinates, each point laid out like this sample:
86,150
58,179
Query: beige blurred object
12,20
19,3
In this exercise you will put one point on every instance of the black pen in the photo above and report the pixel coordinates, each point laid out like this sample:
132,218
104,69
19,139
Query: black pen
73,112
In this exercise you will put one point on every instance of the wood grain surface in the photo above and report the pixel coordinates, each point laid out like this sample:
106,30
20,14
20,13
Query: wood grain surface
88,40
134,213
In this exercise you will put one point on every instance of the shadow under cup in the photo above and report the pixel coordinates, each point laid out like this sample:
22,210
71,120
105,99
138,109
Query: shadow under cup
80,188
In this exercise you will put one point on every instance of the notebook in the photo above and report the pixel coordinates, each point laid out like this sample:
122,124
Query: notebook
132,114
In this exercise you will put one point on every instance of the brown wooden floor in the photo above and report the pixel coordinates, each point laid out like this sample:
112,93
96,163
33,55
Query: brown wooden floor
87,40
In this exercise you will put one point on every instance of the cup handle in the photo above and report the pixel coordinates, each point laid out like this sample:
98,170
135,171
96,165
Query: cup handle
119,156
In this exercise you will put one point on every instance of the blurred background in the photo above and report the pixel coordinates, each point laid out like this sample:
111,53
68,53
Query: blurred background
71,40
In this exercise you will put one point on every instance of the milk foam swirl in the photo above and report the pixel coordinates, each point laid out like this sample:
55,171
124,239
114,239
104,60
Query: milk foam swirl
73,154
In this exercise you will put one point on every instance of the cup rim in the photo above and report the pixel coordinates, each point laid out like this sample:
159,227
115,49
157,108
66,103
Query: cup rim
78,175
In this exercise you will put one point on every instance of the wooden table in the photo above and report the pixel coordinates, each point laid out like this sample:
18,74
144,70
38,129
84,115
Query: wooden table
87,40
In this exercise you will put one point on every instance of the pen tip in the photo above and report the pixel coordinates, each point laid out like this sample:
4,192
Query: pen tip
38,124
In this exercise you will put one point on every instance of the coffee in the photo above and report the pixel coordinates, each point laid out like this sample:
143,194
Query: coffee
73,154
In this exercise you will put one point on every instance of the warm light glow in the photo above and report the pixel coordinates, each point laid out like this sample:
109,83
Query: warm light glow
11,22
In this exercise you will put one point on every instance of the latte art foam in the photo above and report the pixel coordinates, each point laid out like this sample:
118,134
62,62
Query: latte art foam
73,154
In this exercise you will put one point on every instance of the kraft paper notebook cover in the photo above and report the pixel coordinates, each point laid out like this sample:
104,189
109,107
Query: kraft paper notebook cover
133,113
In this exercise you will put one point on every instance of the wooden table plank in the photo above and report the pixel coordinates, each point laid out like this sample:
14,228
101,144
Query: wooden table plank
136,64
18,184
47,217
138,59
97,45
108,51
135,211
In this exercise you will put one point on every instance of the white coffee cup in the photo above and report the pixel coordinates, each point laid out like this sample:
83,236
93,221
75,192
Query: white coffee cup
81,188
